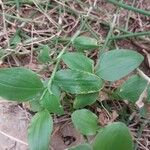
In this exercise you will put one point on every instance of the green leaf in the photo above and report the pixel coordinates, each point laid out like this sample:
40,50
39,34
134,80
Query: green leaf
77,82
35,105
85,43
81,147
19,84
40,130
132,88
115,64
115,136
43,56
15,39
77,61
52,103
83,100
55,89
85,121
143,112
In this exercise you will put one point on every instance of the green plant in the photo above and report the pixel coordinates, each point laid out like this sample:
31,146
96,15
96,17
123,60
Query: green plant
84,81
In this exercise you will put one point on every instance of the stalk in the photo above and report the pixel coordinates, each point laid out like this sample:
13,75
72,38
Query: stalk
125,6
129,35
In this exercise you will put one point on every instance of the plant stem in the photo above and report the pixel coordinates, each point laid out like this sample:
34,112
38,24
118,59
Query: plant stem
20,18
123,30
125,6
64,49
111,28
109,34
128,17
129,35
56,66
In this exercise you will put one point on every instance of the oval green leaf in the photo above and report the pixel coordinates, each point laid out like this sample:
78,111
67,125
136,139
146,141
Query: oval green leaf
35,105
15,39
52,103
43,56
85,121
55,89
19,84
85,43
115,136
77,82
83,100
132,88
40,130
77,61
115,64
81,147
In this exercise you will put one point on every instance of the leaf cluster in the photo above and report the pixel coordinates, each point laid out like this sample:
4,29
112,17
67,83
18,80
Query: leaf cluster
84,80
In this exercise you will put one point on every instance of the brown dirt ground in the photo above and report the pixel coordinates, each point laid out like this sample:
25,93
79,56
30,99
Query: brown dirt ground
14,121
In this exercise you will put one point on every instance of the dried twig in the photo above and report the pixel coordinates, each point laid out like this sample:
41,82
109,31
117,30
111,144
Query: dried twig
143,75
13,138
